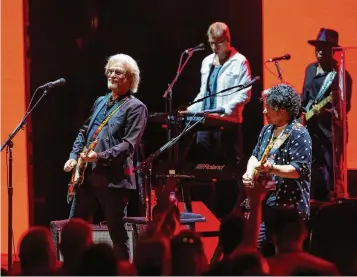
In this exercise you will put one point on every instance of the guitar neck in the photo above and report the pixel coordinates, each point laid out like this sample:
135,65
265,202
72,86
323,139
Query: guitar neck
91,146
262,160
317,107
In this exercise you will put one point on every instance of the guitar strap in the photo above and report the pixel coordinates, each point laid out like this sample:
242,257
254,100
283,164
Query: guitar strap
275,144
326,84
278,142
105,121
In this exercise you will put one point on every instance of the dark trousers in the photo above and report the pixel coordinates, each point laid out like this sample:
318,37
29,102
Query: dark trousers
219,146
212,146
322,177
265,243
270,203
113,202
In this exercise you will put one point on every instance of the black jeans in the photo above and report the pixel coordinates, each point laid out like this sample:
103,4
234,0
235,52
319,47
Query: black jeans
113,202
322,177
268,206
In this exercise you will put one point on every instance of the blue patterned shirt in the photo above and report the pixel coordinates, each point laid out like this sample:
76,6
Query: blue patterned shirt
296,151
211,102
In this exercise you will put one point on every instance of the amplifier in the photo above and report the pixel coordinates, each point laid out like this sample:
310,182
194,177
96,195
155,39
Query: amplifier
100,235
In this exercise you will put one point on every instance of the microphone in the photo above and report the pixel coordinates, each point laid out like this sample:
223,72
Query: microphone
59,82
251,82
285,57
199,47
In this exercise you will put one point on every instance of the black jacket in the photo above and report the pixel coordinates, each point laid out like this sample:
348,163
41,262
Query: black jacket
117,143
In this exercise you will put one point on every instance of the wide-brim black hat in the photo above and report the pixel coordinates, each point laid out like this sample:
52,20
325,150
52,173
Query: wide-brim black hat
326,37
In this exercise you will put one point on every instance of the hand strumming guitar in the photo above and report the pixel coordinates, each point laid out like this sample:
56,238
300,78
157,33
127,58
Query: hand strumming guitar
69,165
90,157
265,182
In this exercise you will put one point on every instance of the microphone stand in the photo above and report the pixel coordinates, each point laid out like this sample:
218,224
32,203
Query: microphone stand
9,144
168,110
240,87
280,76
168,96
147,164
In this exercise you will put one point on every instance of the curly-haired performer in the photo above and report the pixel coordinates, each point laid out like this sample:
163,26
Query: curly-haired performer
288,163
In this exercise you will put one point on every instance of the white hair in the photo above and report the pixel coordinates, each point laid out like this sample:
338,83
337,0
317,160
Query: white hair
130,65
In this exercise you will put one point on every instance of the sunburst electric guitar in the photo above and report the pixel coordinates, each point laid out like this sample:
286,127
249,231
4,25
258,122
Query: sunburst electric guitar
78,172
256,177
245,204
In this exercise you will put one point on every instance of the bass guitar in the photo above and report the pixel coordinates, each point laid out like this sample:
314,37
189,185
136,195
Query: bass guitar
78,172
317,107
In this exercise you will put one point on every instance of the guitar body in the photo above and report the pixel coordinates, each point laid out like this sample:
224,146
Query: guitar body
257,176
78,171
245,204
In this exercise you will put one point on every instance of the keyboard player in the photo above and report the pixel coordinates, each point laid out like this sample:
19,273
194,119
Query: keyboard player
222,69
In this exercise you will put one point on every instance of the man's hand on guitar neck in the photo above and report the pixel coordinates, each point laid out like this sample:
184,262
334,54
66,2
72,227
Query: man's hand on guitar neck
91,156
68,166
315,109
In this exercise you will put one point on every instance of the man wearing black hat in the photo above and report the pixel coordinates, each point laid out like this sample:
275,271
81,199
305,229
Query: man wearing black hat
320,80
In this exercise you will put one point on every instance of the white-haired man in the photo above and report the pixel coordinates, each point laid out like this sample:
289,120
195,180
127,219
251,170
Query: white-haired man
116,123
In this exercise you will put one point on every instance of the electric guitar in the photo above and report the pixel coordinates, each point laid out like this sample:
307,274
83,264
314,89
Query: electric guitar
245,205
256,177
78,172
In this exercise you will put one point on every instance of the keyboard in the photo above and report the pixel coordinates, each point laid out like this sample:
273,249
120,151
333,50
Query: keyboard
211,121
203,172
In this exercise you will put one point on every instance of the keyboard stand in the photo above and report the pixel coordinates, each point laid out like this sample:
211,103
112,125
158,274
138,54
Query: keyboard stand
146,166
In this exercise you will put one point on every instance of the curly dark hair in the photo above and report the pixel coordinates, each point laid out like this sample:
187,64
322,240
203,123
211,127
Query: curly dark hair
284,96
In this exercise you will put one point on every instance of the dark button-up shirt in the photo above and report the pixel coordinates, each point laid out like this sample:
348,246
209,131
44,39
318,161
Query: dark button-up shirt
97,121
117,142
295,151
319,125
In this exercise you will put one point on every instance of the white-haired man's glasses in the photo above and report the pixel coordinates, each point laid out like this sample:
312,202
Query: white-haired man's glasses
117,72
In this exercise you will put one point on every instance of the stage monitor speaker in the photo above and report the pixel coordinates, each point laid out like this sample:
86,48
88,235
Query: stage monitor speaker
100,235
